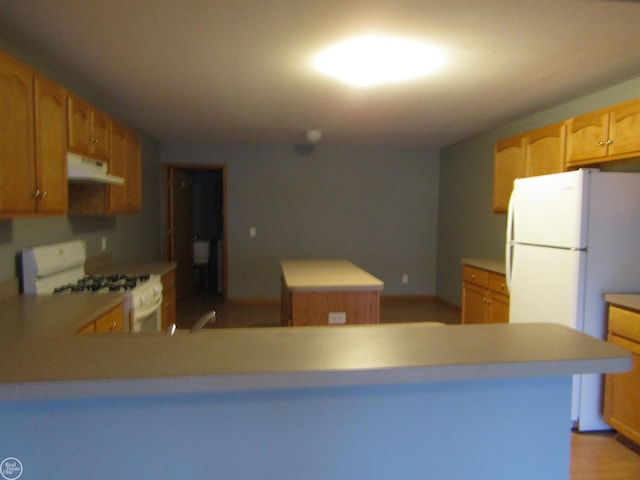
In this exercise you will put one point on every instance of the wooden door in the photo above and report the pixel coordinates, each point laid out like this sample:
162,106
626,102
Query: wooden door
51,146
17,176
509,164
100,134
545,150
118,193
133,172
624,125
587,136
474,303
181,218
79,130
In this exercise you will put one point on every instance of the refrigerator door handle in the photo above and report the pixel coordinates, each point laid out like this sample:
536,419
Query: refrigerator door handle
508,247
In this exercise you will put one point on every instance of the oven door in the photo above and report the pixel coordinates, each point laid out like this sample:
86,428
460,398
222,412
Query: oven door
147,318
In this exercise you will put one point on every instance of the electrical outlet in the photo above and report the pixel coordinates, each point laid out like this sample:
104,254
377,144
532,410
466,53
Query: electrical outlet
252,232
104,244
337,318
405,278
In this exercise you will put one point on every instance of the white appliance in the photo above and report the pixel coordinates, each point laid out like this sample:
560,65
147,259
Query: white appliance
58,269
571,238
82,169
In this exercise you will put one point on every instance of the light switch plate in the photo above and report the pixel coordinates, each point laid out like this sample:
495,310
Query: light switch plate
337,318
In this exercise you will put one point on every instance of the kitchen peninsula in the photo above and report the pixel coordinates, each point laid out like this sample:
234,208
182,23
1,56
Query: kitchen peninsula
328,292
463,401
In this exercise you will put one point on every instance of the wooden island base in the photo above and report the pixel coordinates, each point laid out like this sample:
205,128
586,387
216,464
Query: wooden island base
328,292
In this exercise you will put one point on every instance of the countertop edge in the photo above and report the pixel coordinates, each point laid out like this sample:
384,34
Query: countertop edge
127,387
490,264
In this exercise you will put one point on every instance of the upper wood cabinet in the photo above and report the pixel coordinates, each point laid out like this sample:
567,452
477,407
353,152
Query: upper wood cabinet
538,152
125,162
605,135
51,146
545,150
32,142
88,129
509,164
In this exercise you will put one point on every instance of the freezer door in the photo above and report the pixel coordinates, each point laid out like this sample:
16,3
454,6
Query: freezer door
551,209
546,285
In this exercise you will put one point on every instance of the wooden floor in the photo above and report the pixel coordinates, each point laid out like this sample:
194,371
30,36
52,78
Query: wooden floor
594,456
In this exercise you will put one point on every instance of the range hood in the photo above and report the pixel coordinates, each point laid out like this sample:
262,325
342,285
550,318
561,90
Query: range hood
82,169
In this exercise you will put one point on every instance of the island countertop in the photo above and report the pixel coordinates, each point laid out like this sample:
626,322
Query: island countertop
327,274
222,360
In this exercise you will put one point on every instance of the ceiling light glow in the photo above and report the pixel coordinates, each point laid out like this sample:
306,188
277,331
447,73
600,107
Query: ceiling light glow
371,60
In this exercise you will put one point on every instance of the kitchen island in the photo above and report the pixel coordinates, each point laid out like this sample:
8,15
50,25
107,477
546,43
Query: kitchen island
328,292
408,401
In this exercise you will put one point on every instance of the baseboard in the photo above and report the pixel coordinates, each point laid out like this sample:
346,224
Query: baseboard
407,299
252,301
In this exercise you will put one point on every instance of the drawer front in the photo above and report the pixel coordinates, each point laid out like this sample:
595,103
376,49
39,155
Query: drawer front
476,276
624,323
498,283
111,322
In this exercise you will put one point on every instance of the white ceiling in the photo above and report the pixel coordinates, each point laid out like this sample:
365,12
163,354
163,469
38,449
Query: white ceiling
238,70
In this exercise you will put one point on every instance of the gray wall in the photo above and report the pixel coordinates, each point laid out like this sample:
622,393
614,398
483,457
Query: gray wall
376,207
467,227
129,237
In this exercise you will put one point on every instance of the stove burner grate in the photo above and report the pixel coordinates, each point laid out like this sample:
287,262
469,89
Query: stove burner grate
114,283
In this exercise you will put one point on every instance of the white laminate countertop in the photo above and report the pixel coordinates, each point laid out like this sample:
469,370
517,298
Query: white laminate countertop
27,315
629,301
327,275
490,264
218,360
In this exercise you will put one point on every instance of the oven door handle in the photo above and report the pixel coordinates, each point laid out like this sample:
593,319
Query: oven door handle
139,315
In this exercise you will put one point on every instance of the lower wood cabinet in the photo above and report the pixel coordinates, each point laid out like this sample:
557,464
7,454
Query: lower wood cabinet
169,299
485,297
622,390
110,322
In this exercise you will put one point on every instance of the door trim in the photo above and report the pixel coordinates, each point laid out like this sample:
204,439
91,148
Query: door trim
167,234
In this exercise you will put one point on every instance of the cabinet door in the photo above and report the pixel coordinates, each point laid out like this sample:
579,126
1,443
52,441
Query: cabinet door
509,164
51,146
100,135
133,172
474,303
624,128
622,394
587,137
545,150
118,193
168,299
498,308
17,176
79,131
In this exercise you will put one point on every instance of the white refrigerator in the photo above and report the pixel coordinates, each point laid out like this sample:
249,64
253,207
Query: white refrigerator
571,238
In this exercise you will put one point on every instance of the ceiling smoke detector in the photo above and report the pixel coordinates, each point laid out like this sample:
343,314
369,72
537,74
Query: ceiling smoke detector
313,136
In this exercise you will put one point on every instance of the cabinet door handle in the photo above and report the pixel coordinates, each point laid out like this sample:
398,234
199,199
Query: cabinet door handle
601,143
36,194
44,194
609,142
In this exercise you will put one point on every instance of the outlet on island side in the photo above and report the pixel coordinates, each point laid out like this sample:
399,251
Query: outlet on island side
405,278
337,318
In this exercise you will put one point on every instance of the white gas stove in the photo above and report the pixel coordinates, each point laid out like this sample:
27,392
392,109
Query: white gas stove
58,269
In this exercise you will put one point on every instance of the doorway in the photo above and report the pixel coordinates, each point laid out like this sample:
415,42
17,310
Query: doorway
194,208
